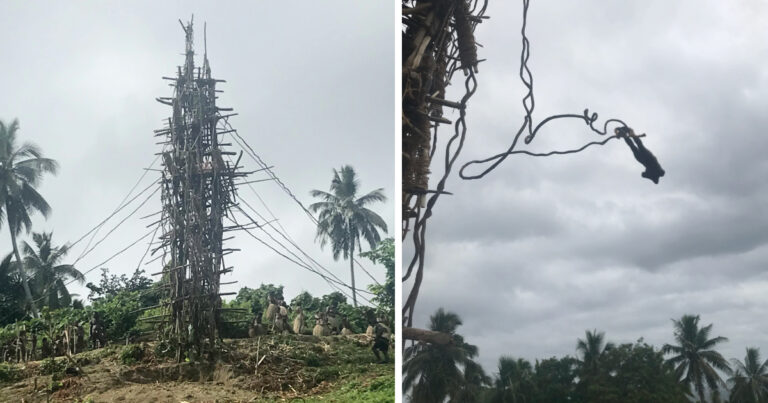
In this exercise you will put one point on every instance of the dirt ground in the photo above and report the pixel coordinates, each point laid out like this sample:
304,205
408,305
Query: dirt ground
271,368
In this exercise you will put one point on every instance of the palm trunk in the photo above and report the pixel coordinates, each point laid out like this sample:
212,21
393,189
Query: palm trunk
27,292
352,272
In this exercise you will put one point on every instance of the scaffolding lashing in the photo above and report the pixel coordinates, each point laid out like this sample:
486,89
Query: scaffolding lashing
438,40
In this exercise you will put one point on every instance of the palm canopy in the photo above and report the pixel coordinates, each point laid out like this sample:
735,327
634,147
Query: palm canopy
749,382
21,168
592,349
43,263
471,387
514,382
695,360
344,218
433,372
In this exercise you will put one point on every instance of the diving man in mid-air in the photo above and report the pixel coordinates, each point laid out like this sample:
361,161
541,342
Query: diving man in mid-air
653,170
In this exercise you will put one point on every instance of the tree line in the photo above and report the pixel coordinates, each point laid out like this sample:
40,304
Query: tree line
688,369
123,305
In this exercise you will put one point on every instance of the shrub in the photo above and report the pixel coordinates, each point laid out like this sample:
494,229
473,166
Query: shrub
131,354
9,372
52,366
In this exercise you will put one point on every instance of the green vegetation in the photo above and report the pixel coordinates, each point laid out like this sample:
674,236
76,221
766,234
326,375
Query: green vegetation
9,372
131,354
384,294
48,276
602,372
380,389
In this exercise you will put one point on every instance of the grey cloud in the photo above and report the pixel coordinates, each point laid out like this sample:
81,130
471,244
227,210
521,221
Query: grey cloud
542,249
312,84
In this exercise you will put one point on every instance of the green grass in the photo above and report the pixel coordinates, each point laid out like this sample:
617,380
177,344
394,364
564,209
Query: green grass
350,368
380,389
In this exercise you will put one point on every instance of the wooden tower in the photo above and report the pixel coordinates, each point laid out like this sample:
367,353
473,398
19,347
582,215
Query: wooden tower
198,189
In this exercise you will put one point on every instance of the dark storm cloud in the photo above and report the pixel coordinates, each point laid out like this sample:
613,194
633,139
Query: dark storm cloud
542,249
312,83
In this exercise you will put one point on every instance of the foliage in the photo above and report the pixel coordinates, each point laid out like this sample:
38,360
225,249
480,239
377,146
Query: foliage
119,313
109,286
7,334
257,299
378,390
78,304
554,379
9,372
335,298
344,218
355,315
633,373
11,292
131,354
592,350
119,299
48,276
307,302
749,382
52,366
384,294
514,381
472,387
61,317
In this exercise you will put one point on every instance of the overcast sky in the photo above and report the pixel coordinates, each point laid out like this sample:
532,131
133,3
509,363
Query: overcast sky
541,250
312,83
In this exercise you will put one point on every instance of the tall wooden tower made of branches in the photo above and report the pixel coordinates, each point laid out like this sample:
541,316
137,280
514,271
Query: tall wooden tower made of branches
198,189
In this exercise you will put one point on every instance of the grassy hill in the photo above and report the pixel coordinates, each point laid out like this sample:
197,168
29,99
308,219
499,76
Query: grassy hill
269,368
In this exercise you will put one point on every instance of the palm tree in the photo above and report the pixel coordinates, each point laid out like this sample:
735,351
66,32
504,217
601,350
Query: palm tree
432,372
514,383
592,350
21,169
48,275
344,218
695,361
749,383
471,387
